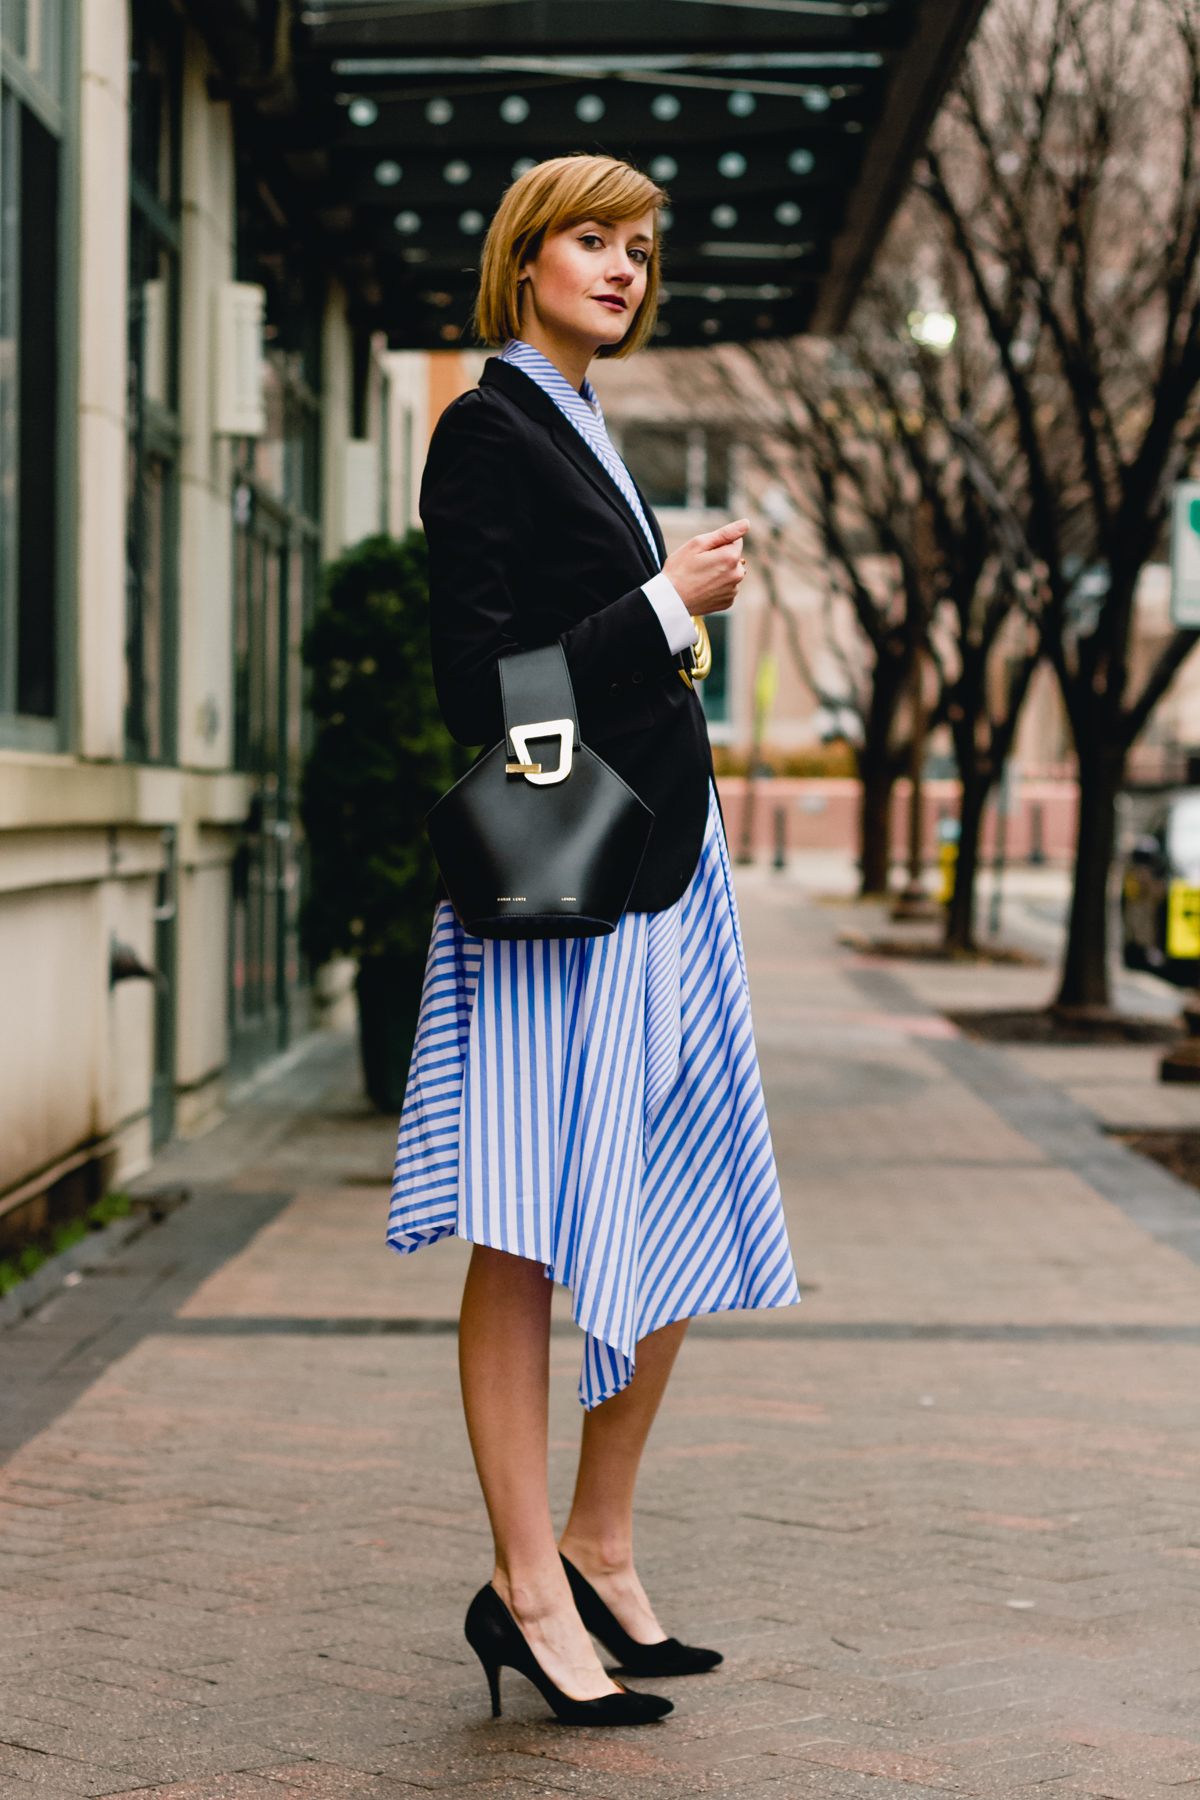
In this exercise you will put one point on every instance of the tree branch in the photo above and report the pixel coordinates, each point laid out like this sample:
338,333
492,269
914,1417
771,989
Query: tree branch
1170,660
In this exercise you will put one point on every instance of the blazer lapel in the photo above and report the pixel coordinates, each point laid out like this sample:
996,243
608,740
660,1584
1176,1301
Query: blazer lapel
538,405
652,521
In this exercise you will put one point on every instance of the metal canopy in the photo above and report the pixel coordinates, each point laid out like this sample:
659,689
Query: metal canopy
783,131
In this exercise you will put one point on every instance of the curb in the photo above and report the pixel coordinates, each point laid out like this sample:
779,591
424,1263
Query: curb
87,1254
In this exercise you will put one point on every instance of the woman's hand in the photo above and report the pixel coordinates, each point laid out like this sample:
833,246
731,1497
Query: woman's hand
707,571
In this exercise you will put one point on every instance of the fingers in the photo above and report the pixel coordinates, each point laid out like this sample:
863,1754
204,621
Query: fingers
724,534
709,569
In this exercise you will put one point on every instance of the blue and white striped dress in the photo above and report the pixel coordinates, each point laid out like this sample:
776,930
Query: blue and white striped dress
595,1105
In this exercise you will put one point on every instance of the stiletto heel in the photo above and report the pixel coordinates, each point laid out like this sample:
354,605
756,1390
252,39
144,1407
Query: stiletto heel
492,1671
669,1657
498,1642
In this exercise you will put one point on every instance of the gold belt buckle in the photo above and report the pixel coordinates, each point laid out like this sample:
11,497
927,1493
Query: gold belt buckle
702,656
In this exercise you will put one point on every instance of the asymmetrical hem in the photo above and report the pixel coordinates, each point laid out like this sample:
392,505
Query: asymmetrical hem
595,1105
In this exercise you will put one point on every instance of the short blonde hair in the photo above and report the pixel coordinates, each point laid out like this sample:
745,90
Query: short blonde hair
553,196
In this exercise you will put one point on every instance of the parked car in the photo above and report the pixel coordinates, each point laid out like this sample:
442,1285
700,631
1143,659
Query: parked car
1160,891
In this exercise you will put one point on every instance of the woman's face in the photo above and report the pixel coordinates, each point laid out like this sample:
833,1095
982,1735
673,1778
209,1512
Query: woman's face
587,282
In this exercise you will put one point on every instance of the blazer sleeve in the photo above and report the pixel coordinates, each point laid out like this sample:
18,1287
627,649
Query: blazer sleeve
478,508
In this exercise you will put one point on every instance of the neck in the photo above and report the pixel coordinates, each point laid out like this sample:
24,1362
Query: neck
569,356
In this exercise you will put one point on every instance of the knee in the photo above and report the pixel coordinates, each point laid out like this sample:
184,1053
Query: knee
499,1269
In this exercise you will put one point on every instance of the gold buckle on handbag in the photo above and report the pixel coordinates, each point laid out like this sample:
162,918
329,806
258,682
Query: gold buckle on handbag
563,730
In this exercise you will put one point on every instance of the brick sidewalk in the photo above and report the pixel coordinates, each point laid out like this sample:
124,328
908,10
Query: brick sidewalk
942,1520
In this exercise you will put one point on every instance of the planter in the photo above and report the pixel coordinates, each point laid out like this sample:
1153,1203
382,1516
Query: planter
389,1000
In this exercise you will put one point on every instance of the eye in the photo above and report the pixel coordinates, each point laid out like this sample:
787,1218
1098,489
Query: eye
591,240
639,256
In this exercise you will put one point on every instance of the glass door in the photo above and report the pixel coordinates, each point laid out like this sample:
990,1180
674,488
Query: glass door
274,572
276,567
152,535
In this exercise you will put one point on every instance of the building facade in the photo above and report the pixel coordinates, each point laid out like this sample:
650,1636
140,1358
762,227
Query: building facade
187,430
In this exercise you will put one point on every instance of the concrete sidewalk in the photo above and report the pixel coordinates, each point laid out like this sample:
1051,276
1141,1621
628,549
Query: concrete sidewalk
942,1519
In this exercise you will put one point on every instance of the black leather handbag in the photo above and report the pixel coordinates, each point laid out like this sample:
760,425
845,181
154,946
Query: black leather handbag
528,850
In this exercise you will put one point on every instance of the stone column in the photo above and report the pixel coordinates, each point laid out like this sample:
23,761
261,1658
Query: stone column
103,274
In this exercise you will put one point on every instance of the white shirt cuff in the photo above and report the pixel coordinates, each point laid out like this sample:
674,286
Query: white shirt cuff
679,627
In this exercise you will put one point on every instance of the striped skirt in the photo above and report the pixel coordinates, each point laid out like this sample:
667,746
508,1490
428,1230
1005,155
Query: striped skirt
594,1104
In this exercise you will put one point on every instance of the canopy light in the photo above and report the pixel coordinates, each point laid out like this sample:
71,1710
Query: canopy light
933,330
774,126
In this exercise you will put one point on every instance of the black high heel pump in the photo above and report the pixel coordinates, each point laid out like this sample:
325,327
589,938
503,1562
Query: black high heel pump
669,1657
498,1642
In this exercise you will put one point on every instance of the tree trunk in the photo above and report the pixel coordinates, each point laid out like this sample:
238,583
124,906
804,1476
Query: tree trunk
916,795
878,766
960,914
1085,966
878,777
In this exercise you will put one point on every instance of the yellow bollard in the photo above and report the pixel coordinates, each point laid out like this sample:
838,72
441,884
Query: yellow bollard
948,858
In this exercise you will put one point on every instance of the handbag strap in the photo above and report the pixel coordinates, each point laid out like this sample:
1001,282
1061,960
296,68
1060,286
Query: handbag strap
535,685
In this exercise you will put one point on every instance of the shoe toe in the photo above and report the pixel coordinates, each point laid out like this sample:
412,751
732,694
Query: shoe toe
673,1658
656,1706
629,1707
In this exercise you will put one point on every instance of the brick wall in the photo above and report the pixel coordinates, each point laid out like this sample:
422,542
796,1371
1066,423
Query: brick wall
822,814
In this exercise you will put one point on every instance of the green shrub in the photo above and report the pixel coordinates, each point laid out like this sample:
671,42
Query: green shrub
53,1240
111,1206
380,758
64,1236
12,1274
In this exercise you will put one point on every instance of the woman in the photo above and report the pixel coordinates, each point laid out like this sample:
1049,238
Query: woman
582,1110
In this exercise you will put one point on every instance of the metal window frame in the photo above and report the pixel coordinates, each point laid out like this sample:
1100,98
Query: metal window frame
159,427
59,114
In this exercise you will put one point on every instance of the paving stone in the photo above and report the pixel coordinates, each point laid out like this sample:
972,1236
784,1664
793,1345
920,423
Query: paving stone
242,1787
236,1553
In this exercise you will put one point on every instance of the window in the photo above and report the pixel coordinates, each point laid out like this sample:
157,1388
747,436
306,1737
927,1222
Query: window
675,466
153,383
657,460
31,133
716,471
714,692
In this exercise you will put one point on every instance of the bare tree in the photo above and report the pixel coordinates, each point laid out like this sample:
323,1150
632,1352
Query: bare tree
957,439
1064,177
816,440
899,458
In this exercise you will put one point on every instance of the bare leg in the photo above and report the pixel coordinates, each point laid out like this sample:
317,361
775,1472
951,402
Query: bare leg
504,1361
599,1534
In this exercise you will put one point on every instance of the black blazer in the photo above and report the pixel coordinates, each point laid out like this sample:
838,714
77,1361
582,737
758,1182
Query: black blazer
531,540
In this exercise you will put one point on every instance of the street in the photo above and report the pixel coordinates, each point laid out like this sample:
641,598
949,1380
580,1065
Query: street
941,1519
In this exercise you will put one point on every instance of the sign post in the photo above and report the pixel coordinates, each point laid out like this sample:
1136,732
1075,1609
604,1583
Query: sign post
1185,556
1183,897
